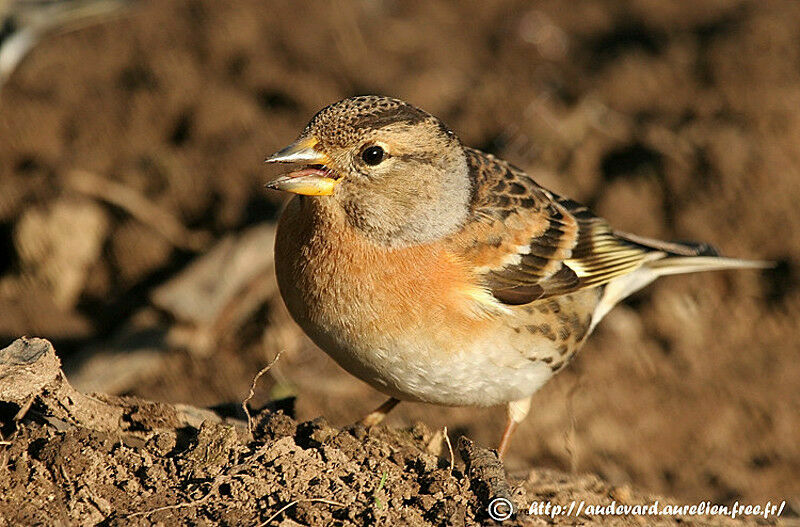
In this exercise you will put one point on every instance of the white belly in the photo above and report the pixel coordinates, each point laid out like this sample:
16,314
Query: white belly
484,372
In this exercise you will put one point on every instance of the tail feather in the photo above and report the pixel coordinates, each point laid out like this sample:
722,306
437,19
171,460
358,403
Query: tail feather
693,264
624,286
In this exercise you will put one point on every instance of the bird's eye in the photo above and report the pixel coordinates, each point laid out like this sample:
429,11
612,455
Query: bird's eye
372,155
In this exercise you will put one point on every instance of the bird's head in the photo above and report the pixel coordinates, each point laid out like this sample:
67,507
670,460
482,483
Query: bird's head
398,173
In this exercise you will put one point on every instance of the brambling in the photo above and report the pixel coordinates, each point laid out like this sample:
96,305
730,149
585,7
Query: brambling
439,273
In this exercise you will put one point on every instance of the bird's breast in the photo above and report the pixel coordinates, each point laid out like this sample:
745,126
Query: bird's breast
346,291
403,320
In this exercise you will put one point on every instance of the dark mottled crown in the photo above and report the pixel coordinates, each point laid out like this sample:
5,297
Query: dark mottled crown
344,122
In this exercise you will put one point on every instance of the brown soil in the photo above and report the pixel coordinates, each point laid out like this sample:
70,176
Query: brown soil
679,121
125,461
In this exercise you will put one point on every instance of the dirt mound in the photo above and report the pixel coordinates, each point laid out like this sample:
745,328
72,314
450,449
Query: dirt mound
80,459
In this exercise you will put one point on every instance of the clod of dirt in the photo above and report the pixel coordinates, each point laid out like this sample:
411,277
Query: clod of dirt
485,471
58,245
216,446
26,368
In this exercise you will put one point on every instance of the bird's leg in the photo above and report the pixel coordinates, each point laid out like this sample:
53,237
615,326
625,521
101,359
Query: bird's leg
516,411
377,415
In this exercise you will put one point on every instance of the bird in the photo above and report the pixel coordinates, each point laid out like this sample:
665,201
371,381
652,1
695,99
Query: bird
442,274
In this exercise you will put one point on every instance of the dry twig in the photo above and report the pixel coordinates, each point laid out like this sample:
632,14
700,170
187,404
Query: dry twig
219,480
252,392
295,502
449,448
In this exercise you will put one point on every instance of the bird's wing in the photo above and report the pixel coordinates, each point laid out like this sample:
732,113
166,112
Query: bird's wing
526,243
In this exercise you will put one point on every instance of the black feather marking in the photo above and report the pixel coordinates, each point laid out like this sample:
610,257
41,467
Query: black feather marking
515,296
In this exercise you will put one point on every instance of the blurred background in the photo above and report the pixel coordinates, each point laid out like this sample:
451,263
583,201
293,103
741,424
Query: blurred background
135,232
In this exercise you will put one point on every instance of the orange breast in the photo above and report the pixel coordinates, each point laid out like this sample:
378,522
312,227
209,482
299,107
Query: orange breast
337,281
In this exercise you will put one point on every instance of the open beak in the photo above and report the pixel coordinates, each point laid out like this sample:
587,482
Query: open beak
315,179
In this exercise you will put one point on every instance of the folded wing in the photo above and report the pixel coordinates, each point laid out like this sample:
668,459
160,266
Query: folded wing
528,243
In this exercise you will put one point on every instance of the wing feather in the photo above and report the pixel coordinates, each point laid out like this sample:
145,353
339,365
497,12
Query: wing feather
528,243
